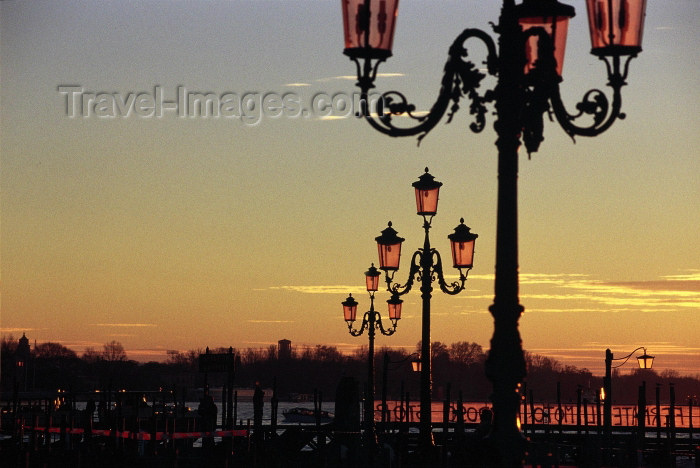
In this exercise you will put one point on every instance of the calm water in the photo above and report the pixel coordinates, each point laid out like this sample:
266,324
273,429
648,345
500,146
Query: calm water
622,415
245,410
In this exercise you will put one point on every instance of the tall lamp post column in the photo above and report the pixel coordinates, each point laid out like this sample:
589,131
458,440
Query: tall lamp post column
371,321
426,267
527,61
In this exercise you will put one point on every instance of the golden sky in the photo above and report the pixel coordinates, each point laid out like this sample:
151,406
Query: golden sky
165,232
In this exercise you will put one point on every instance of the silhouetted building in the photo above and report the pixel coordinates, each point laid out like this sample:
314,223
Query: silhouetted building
23,355
23,348
284,349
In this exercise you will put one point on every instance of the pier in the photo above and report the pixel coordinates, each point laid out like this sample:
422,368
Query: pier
154,429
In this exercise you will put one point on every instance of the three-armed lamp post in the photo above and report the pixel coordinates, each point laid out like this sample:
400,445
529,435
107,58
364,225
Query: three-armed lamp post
371,321
645,362
528,66
426,267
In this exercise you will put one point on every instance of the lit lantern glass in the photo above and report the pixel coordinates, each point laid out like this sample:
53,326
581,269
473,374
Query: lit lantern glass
350,309
394,307
389,248
416,365
372,278
616,26
462,242
369,27
551,16
645,361
427,191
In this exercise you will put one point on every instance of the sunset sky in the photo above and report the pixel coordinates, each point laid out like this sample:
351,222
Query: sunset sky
128,222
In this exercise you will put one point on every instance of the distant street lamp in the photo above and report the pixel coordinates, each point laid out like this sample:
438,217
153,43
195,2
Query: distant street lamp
426,267
415,366
645,362
528,66
371,321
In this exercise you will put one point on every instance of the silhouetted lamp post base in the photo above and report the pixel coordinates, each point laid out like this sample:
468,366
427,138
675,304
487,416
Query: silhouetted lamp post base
505,367
527,59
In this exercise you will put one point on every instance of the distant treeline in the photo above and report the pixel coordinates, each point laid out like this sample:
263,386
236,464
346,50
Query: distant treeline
302,370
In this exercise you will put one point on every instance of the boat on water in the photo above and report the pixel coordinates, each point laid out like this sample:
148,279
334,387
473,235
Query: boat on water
306,416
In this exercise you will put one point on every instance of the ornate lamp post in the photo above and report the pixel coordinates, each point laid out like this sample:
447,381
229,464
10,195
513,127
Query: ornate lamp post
527,60
371,321
426,267
645,362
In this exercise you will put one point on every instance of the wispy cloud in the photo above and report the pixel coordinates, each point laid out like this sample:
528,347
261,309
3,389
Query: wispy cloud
81,344
19,329
472,276
270,321
355,288
692,275
320,289
661,293
354,78
588,310
125,325
586,294
668,286
548,278
668,293
333,78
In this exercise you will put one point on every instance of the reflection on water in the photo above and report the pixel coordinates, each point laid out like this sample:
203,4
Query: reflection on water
622,415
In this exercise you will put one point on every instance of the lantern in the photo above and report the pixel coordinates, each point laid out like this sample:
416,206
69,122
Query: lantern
372,279
369,27
645,361
462,242
394,307
616,26
350,309
427,190
551,16
416,365
389,247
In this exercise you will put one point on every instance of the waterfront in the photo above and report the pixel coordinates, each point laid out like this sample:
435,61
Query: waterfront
170,434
